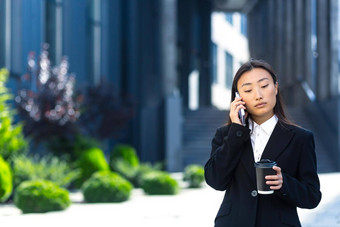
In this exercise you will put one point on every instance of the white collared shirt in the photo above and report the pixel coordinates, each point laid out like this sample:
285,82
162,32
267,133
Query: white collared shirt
260,135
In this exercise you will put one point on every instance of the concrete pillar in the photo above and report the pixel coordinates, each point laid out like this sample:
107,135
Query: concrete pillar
334,68
184,48
173,103
168,31
298,38
298,51
334,47
323,60
205,77
307,51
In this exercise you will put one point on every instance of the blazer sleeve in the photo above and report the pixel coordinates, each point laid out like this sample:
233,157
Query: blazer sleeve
227,146
304,190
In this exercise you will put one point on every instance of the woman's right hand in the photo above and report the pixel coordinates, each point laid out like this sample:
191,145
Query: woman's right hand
235,106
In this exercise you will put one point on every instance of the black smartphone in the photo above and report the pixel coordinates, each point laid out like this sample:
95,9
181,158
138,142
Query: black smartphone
241,112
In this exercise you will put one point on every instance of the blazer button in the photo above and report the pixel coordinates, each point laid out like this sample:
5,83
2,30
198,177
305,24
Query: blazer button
253,193
239,133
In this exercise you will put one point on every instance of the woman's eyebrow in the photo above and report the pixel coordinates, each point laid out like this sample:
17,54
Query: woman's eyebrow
260,80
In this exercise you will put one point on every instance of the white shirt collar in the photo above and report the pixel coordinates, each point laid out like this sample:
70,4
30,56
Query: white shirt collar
267,126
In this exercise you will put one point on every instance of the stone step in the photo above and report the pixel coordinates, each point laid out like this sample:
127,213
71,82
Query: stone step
200,126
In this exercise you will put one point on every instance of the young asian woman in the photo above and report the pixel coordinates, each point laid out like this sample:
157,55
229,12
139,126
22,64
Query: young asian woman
268,134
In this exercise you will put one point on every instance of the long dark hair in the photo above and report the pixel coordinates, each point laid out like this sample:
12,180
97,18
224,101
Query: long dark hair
279,109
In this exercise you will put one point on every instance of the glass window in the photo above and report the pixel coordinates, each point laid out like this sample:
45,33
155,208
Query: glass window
229,70
229,17
214,63
244,25
5,33
2,33
53,34
94,26
314,42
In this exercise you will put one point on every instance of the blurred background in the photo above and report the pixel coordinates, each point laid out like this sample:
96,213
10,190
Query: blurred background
156,74
102,101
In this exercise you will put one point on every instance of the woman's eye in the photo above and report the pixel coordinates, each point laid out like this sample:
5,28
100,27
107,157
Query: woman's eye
264,86
247,91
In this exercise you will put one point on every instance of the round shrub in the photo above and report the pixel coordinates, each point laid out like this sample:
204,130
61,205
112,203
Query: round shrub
41,196
106,186
6,184
159,183
126,153
90,161
194,174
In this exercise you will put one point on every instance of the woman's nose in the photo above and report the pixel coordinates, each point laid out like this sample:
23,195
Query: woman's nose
258,94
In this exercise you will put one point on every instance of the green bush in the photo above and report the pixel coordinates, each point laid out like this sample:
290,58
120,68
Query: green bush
41,196
43,168
124,152
129,172
83,143
124,160
159,183
134,174
106,186
12,140
91,161
5,180
194,174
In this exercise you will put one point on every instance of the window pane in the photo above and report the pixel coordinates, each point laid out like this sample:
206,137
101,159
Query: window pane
229,17
229,70
214,63
53,31
2,33
244,25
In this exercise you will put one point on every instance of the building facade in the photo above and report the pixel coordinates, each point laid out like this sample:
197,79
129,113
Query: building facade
150,48
229,52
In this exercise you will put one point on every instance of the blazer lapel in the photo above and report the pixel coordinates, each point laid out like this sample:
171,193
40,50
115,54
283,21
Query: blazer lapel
277,142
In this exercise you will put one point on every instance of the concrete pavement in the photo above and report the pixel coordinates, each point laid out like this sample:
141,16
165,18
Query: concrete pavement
191,207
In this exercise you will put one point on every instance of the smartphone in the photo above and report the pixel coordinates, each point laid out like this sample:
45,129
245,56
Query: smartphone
241,112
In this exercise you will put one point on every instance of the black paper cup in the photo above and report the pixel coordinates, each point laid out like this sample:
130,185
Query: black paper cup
263,169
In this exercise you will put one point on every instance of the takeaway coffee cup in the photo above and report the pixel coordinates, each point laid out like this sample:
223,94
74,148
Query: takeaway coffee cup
264,168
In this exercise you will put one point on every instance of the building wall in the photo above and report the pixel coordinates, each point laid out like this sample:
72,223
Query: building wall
228,38
117,41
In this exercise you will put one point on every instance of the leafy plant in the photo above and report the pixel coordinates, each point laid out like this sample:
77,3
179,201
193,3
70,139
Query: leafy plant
41,196
46,101
43,168
194,174
106,186
159,183
135,173
12,139
5,180
91,161
124,160
72,148
124,153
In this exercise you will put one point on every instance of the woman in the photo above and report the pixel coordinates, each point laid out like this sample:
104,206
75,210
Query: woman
267,135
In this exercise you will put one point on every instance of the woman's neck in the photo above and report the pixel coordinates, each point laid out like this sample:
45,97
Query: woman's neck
261,119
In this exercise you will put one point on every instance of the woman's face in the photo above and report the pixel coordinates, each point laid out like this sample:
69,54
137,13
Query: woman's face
258,91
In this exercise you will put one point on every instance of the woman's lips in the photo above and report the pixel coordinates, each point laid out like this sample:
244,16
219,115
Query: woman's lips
260,105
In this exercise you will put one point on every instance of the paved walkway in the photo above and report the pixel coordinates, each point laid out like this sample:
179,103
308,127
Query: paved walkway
191,207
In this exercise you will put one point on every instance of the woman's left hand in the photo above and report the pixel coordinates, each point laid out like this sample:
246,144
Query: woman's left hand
275,181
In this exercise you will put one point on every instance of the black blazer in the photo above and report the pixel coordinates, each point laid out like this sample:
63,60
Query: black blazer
231,168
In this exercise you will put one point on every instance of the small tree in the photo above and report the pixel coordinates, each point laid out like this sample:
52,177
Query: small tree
46,101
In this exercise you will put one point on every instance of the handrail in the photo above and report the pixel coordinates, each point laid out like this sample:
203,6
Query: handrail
308,90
